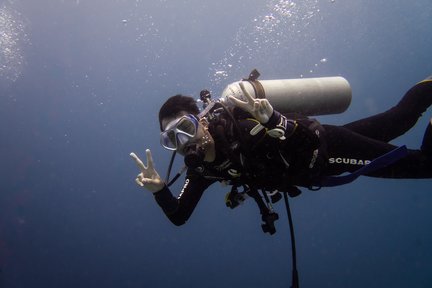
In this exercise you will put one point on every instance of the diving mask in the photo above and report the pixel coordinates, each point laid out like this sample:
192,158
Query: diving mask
179,132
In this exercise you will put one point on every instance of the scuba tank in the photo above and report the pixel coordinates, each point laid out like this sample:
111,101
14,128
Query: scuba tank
307,96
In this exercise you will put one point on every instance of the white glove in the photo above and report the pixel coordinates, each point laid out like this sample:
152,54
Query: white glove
260,109
148,178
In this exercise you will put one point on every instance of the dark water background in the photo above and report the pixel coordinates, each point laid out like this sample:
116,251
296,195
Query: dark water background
80,85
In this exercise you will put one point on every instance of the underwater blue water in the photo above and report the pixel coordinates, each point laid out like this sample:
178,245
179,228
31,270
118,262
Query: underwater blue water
81,83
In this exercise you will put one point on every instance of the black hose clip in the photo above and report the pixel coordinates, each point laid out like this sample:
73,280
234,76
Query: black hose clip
234,198
269,219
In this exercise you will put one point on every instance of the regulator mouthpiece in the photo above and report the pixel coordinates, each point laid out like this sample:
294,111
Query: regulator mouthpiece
194,156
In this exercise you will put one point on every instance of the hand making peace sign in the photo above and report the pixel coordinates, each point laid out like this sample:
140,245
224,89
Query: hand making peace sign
260,109
149,177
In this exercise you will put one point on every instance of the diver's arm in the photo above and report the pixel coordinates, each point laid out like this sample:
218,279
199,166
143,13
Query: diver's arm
280,126
178,210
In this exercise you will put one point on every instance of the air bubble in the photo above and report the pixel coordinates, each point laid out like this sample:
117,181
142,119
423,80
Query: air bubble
12,36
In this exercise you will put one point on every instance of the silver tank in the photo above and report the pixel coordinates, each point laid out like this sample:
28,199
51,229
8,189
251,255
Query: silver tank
308,96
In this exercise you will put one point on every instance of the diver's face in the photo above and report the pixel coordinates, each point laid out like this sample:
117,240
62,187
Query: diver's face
193,135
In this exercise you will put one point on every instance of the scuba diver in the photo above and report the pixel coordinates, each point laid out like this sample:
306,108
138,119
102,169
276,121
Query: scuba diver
251,146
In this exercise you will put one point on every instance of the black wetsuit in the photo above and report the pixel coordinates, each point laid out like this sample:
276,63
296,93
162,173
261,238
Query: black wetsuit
309,151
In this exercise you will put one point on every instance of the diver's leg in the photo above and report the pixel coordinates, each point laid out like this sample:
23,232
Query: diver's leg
399,119
426,146
348,151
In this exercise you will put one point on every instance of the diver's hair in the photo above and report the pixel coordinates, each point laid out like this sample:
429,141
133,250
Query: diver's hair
176,104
